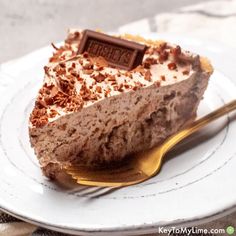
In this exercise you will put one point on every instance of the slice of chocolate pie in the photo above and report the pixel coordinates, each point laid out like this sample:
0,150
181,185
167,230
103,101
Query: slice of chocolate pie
98,105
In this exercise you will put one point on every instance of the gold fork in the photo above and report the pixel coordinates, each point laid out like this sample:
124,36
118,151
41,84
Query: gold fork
144,165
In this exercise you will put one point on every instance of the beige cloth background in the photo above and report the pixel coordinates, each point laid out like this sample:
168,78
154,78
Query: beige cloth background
208,21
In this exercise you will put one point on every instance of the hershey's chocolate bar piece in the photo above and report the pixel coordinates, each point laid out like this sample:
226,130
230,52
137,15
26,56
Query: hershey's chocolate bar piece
118,52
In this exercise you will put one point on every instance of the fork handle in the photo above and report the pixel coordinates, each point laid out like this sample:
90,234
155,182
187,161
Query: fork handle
198,124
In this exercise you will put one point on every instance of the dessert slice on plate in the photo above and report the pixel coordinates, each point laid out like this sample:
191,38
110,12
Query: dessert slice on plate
105,98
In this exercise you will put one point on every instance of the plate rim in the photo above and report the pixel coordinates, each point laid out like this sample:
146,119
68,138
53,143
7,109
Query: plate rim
145,228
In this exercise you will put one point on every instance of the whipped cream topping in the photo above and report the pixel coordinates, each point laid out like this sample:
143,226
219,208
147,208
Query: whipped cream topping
75,81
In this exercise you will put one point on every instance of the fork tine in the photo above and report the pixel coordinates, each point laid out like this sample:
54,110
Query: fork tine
104,174
109,184
106,178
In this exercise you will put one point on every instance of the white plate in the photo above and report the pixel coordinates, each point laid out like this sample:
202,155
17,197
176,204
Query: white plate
196,184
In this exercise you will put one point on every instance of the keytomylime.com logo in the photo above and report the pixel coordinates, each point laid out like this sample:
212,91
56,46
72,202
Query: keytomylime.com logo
230,230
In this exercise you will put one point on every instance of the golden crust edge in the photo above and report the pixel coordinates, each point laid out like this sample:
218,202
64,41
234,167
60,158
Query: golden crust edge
206,65
140,39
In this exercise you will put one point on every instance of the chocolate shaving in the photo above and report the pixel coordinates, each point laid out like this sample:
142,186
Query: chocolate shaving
163,78
148,76
53,45
176,51
99,77
111,78
172,66
98,89
38,117
163,56
40,104
46,70
186,72
148,62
